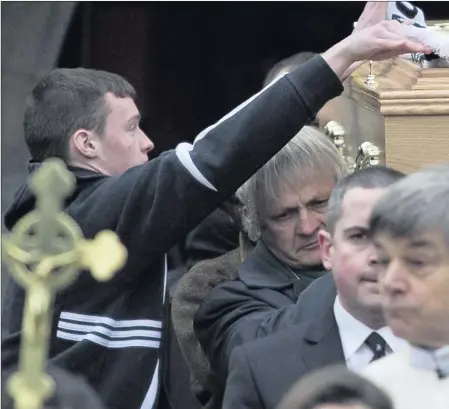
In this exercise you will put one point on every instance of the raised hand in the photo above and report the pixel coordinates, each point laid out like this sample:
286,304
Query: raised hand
381,41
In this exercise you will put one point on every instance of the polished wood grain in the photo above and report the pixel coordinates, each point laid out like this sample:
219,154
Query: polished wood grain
406,115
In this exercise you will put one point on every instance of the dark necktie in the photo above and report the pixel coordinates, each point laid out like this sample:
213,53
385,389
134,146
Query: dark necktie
441,374
430,359
377,344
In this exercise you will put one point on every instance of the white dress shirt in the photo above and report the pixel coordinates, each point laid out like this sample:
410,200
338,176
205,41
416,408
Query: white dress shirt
410,378
431,360
353,334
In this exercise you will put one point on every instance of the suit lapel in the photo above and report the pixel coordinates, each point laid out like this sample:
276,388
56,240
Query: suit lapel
302,349
321,345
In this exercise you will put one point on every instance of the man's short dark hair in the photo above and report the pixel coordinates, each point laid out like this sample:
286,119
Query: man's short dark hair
335,385
71,392
289,63
369,178
67,100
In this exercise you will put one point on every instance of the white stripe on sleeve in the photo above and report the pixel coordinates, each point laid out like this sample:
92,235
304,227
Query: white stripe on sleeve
108,332
107,343
184,148
96,319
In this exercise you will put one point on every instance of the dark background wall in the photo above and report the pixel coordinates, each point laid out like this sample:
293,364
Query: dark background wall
192,62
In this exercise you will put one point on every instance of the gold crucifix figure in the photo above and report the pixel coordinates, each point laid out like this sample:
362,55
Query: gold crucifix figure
44,253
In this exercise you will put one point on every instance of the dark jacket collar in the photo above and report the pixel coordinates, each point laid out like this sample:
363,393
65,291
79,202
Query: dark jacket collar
262,269
24,199
80,173
322,342
322,335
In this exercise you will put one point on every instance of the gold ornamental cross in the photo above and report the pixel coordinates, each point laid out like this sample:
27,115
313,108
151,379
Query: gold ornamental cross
44,253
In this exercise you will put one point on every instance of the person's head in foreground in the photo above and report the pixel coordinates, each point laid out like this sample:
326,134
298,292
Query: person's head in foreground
335,387
347,250
71,392
284,204
410,228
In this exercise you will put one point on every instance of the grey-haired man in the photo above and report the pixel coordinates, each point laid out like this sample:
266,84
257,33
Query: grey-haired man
410,228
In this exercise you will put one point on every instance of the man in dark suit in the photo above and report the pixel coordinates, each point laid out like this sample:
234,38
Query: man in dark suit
338,318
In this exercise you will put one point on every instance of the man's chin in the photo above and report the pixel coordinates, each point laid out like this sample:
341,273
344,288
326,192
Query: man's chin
312,261
371,298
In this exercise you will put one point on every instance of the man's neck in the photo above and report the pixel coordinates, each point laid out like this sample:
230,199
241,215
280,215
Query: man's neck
374,321
87,166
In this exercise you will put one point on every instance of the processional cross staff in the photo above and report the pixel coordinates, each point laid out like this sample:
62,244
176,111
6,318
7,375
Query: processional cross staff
44,253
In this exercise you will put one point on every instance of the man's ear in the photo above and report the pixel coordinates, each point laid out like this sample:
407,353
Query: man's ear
326,248
85,143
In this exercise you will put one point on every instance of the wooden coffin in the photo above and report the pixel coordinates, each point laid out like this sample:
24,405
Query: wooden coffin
398,116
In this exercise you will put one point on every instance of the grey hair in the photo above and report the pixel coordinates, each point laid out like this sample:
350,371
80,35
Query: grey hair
309,151
368,178
415,205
